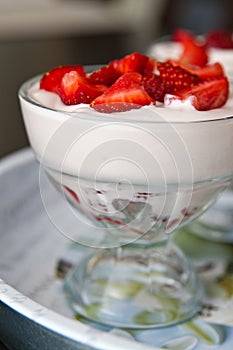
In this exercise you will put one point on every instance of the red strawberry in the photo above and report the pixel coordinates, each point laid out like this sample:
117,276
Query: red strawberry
210,71
75,89
175,77
106,75
182,35
155,86
51,80
208,94
134,62
125,94
206,72
151,65
194,54
219,39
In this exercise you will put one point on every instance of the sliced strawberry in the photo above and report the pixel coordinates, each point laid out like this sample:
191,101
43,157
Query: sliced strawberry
75,89
208,94
219,39
206,72
175,77
134,62
106,75
125,94
172,78
51,80
151,65
155,86
182,35
194,54
210,71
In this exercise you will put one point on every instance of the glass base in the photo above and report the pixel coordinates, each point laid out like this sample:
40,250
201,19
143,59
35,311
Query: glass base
134,288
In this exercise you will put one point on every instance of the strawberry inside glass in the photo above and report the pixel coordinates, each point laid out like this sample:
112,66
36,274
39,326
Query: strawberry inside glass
139,148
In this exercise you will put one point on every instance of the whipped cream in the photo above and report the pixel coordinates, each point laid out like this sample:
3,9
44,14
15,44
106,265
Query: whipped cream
173,110
169,49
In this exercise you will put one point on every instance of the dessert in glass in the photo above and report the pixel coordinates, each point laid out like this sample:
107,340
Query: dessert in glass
139,148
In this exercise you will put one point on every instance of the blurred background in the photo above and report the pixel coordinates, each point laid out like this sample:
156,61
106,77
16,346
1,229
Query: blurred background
36,35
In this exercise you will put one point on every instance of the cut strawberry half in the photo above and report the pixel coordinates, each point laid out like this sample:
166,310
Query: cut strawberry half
51,80
75,89
106,75
208,94
135,62
125,94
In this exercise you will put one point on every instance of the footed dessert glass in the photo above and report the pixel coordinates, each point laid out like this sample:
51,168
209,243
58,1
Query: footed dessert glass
133,178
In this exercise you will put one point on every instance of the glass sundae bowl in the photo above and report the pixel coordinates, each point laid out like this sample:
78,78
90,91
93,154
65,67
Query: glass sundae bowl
134,178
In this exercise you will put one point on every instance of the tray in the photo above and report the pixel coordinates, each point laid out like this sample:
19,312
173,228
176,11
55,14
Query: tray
33,311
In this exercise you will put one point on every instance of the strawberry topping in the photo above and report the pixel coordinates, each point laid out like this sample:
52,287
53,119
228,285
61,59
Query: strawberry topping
151,65
52,79
209,71
125,94
106,75
137,80
75,89
194,52
155,86
176,78
172,78
135,62
182,35
208,94
219,39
